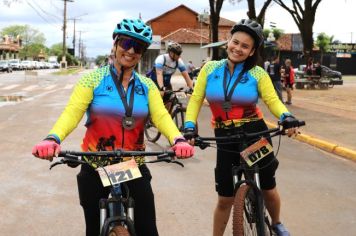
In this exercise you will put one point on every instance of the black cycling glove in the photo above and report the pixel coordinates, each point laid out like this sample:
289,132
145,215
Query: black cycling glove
189,133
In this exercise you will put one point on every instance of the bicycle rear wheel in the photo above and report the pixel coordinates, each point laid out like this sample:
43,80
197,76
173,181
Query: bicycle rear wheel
248,215
151,132
119,231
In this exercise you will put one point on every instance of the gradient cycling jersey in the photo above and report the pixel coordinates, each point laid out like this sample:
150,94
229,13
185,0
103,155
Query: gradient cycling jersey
96,95
254,83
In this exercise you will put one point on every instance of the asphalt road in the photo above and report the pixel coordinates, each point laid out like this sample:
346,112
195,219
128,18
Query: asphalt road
317,188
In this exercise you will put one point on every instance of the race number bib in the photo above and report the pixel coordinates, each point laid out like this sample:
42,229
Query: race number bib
256,151
118,173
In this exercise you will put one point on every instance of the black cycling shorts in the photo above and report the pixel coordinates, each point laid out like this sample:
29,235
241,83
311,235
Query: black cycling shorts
228,156
91,191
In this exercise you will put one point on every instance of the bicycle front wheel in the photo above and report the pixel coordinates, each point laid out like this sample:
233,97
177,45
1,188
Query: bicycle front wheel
119,231
151,132
248,215
178,116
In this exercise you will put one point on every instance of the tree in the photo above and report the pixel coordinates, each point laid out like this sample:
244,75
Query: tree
323,41
304,18
215,8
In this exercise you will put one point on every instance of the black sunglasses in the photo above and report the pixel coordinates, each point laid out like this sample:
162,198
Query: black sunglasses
127,43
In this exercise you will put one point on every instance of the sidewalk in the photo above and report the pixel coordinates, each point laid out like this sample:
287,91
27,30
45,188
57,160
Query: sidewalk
326,128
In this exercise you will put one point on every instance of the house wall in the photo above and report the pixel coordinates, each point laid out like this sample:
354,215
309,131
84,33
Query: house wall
193,52
174,20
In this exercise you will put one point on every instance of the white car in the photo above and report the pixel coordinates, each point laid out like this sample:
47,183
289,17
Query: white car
16,64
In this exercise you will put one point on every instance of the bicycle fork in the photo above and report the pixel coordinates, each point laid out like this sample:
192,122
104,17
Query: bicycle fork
113,209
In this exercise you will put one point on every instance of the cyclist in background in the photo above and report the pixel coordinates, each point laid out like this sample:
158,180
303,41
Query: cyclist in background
167,64
120,119
232,87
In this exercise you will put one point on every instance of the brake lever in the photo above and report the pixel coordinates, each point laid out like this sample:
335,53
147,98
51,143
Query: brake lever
56,164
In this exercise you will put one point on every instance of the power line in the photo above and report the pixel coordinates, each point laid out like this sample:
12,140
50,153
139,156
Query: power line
37,12
47,13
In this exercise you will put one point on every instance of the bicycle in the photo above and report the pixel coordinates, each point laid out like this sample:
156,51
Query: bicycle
249,212
117,211
172,100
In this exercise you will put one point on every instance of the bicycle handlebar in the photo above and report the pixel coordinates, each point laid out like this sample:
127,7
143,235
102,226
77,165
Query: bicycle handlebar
203,143
75,157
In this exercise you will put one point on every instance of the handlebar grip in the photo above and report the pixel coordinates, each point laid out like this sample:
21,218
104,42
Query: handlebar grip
301,123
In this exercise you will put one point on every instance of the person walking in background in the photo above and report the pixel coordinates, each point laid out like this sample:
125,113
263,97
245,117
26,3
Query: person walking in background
190,69
274,71
288,78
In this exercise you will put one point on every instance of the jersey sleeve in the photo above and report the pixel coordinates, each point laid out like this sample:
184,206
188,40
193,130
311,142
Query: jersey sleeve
267,92
159,62
159,114
181,65
79,101
198,96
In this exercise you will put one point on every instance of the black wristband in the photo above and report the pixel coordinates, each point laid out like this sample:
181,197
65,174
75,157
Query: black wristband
51,139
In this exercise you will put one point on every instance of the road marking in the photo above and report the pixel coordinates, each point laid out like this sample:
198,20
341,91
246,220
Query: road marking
31,87
69,86
50,87
10,87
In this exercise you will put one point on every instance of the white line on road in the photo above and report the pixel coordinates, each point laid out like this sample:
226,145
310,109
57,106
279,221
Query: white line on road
31,87
10,87
69,86
50,87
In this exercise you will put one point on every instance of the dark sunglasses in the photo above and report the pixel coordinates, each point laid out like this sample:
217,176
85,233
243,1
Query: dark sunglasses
127,43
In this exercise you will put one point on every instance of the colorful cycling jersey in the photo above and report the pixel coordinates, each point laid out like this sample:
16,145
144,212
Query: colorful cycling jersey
96,95
254,83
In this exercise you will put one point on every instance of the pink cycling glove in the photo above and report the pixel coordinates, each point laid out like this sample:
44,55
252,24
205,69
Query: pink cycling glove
183,149
46,149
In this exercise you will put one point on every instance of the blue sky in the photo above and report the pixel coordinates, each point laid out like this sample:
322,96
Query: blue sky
97,18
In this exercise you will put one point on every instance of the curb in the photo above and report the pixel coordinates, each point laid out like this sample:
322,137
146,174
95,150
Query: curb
324,145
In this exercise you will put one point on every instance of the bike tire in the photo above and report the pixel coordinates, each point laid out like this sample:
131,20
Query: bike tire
119,231
248,218
151,132
178,116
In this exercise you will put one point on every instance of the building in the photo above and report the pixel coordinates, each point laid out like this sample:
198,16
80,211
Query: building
187,27
9,48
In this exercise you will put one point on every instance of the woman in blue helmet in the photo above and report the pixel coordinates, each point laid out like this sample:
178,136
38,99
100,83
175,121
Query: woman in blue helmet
117,101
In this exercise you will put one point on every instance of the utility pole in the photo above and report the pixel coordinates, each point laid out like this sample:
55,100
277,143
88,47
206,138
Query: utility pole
80,47
74,19
64,62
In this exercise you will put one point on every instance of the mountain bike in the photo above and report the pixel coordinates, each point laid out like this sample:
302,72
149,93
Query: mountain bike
116,212
173,102
249,212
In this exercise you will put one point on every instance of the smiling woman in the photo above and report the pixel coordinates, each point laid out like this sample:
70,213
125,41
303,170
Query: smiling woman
118,102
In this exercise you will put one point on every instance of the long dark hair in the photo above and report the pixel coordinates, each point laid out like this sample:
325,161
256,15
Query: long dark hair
251,61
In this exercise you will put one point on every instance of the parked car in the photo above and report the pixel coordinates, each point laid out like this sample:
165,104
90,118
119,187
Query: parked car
16,64
27,65
5,66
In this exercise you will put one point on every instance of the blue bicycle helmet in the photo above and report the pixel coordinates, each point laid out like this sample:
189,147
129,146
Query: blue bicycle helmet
135,28
252,28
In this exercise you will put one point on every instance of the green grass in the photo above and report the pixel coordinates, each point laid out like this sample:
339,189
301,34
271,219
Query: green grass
68,71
